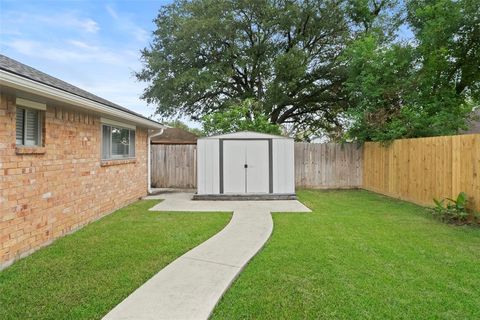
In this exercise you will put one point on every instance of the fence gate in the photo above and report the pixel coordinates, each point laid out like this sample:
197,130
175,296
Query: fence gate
174,166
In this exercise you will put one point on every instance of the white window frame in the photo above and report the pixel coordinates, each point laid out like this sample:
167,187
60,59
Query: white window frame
24,131
119,125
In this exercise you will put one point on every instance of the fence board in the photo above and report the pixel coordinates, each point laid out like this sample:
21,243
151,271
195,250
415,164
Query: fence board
174,166
328,165
419,170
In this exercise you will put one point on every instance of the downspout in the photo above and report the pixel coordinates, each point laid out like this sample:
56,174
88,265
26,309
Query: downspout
149,159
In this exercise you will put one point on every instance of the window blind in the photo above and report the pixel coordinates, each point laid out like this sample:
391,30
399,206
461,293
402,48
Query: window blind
19,125
28,127
32,133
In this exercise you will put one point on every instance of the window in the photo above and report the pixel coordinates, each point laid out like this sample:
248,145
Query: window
117,142
29,127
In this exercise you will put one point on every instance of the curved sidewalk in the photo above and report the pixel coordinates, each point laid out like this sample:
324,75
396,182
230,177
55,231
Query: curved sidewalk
191,286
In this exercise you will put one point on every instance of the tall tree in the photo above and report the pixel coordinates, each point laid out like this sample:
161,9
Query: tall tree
208,55
424,87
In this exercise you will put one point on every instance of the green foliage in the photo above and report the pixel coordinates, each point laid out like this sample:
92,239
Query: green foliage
448,34
241,117
376,78
372,16
425,87
182,125
454,210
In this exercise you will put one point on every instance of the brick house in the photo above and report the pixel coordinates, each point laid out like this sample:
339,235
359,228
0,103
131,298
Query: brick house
67,157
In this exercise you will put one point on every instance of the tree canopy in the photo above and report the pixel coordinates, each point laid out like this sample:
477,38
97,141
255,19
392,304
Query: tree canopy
333,66
177,123
425,87
242,117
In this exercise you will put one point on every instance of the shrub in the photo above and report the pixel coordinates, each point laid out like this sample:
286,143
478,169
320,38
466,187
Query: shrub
455,210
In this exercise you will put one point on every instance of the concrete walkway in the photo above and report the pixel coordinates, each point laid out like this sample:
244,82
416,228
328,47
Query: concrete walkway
191,286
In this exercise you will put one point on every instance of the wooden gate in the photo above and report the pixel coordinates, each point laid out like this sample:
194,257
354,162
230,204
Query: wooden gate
174,166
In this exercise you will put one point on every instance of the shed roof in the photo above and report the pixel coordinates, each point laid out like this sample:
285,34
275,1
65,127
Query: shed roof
247,135
175,136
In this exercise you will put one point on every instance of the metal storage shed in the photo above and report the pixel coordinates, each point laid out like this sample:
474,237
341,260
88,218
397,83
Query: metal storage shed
245,165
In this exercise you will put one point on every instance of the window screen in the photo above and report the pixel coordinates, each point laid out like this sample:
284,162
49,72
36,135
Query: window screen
131,152
106,142
117,142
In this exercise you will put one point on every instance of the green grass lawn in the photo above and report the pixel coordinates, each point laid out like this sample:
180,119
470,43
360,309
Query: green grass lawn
359,255
84,275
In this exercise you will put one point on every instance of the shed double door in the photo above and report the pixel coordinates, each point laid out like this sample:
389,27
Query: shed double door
246,167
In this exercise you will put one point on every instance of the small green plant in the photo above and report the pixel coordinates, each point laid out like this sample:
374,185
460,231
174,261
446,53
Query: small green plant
454,210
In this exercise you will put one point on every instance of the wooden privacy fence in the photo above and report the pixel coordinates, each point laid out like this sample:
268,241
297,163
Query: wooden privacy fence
328,165
415,170
316,166
419,170
174,166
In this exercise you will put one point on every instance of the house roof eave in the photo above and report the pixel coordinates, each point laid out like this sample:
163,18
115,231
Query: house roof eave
18,82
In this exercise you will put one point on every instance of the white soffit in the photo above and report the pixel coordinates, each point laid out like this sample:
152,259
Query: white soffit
30,104
116,123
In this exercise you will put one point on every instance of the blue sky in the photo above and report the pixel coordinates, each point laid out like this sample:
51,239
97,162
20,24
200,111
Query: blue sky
91,44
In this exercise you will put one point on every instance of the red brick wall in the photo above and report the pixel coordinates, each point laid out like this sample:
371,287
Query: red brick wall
44,196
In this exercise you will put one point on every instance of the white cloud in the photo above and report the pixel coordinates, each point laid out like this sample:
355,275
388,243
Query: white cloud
25,47
83,45
17,19
118,87
71,20
126,24
69,51
112,12
88,25
9,31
